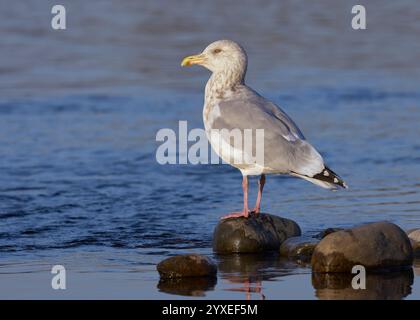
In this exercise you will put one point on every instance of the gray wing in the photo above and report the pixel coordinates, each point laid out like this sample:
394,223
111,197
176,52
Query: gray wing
285,148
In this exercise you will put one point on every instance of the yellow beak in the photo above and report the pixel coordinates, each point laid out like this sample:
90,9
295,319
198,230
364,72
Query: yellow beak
190,60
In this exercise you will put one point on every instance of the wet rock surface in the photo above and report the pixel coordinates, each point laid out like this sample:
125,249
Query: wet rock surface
254,234
298,248
377,246
188,265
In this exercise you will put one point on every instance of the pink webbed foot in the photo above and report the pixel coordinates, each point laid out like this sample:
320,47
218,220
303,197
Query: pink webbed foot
244,214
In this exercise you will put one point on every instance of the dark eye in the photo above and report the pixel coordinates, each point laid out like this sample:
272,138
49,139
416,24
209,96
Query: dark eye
217,50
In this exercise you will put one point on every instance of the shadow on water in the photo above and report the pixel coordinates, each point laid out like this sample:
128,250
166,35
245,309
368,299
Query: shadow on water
195,287
384,286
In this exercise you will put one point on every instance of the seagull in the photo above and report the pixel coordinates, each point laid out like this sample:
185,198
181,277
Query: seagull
229,104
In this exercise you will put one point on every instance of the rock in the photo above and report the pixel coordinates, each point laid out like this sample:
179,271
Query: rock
254,234
414,236
298,248
376,246
416,248
379,286
186,265
326,232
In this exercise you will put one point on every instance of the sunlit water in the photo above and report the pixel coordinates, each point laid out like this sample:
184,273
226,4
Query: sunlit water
79,112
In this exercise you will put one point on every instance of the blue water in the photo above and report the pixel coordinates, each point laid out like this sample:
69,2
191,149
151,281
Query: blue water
79,113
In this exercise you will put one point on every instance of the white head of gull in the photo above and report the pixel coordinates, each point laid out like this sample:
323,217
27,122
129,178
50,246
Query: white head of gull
231,106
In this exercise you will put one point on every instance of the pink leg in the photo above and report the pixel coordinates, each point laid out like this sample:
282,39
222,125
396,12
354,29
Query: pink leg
259,289
261,184
245,211
247,290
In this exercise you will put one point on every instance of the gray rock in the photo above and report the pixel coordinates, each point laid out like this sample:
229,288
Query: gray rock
254,234
414,236
186,265
376,246
298,248
326,232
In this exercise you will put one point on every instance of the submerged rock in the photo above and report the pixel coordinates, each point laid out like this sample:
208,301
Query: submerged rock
414,236
186,265
376,246
326,232
298,248
254,234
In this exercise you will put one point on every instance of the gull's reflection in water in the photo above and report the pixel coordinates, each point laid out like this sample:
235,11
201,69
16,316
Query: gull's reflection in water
194,286
246,272
380,286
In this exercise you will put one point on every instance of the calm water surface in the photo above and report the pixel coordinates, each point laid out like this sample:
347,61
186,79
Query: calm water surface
79,112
